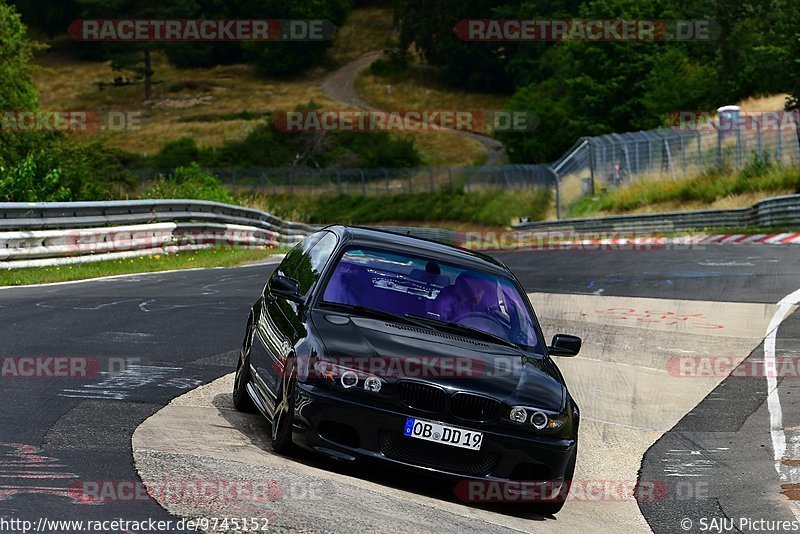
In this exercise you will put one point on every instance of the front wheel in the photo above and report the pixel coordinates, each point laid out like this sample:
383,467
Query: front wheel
283,418
241,399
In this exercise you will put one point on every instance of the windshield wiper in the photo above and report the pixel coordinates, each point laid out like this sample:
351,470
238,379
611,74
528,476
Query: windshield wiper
371,312
460,328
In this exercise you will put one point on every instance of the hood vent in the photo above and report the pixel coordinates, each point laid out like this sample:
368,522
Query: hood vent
438,334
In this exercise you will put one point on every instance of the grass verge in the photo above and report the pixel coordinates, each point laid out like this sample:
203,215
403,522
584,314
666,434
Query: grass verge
714,189
497,208
142,264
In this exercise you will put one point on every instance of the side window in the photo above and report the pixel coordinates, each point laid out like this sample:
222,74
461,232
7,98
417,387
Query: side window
288,266
306,261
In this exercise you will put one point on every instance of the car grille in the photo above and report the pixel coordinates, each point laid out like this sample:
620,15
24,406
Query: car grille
473,407
421,396
443,457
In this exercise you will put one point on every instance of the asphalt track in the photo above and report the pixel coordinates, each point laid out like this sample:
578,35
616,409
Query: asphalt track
176,331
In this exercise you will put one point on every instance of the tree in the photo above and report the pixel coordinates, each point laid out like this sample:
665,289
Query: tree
136,56
17,91
290,57
51,17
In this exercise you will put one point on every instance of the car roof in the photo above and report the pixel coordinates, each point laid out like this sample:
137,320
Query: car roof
382,239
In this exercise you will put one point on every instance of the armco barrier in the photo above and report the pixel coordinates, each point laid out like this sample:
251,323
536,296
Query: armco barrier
780,211
40,234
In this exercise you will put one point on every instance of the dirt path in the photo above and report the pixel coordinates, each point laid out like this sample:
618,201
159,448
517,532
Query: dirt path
340,86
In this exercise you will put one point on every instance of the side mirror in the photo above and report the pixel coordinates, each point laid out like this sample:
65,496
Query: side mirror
565,345
285,287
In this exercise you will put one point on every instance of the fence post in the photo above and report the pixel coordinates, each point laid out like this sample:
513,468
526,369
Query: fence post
363,183
450,177
739,147
683,154
758,136
779,149
430,169
558,192
591,163
386,174
719,148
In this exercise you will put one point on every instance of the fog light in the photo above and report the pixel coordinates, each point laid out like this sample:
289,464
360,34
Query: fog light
349,379
518,415
539,420
373,384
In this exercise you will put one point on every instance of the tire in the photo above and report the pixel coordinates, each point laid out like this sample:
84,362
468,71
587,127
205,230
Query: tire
241,399
283,418
553,507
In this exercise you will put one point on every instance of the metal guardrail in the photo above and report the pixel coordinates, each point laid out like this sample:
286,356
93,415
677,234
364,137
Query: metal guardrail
766,213
61,215
41,234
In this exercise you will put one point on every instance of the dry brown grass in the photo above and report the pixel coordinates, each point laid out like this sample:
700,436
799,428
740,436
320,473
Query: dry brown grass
66,83
763,103
71,84
732,201
421,90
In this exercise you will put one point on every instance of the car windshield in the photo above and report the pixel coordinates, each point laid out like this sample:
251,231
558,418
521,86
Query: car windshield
421,288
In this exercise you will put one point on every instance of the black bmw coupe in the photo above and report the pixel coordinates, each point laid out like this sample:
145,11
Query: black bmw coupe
380,346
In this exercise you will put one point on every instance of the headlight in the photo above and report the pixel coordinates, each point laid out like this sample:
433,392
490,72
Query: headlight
538,419
347,378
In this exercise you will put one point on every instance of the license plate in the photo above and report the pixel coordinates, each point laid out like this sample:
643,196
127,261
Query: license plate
446,435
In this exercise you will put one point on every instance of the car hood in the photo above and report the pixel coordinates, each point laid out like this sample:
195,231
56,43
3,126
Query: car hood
396,350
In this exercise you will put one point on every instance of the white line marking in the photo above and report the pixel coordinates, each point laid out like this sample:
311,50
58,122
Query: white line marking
276,259
777,433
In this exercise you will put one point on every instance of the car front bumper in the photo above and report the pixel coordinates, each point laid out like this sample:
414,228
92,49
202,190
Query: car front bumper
352,425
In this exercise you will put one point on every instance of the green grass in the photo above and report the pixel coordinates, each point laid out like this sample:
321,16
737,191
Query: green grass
495,207
758,177
222,257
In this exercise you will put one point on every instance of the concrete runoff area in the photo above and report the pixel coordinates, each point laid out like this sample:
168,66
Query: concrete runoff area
627,381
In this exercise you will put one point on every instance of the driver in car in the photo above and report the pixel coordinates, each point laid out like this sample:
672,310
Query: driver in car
464,296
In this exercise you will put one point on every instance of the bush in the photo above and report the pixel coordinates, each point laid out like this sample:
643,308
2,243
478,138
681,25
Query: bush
60,170
176,154
190,182
396,62
266,146
487,207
